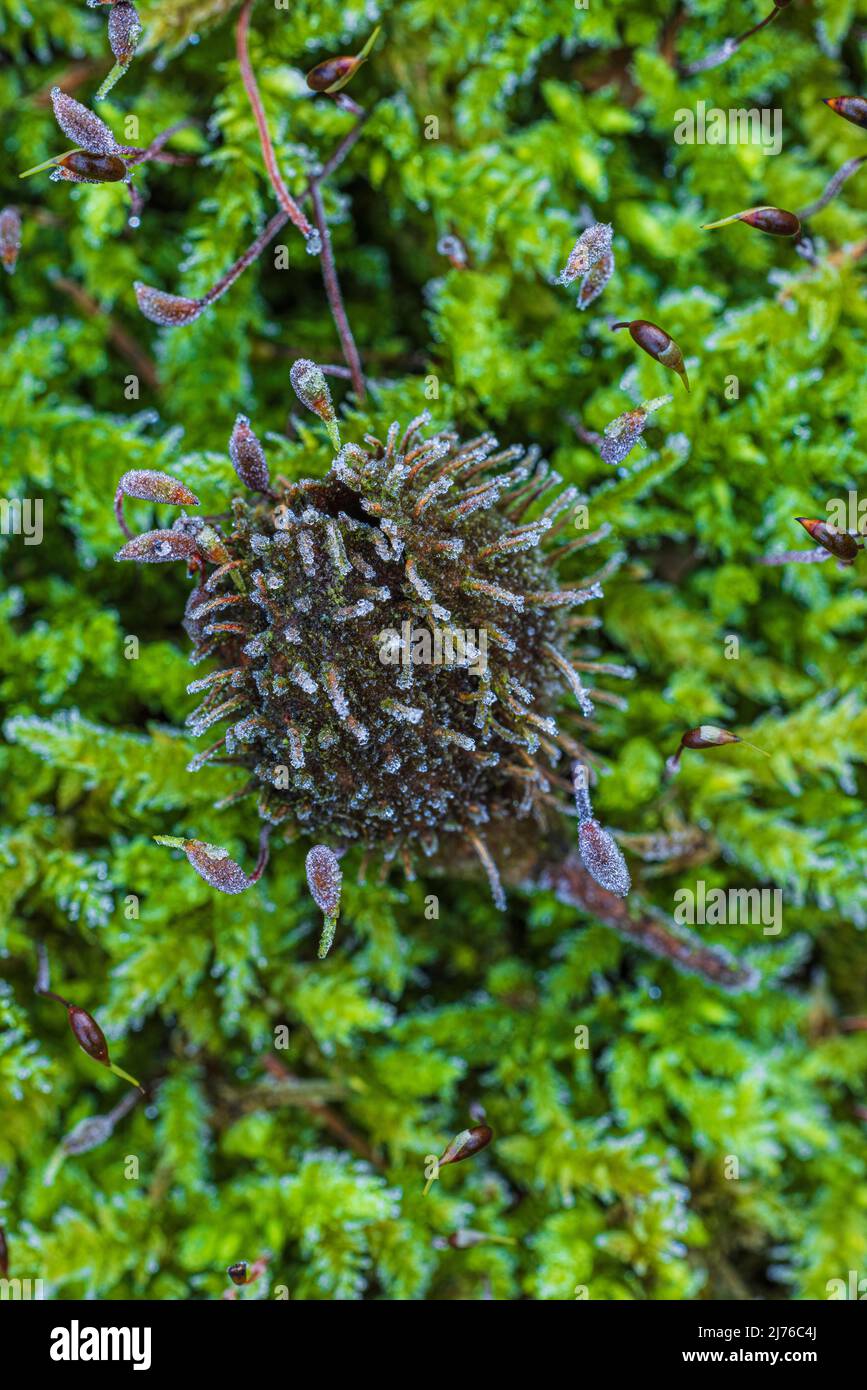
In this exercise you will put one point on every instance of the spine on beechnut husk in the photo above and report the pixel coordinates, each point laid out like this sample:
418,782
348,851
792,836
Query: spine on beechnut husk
392,647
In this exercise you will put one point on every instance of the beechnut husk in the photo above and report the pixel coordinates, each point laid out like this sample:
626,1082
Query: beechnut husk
320,603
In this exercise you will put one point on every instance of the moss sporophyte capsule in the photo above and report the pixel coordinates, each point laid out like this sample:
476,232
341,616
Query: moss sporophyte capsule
463,1146
10,239
89,1036
92,1040
332,74
97,157
852,109
707,736
657,344
830,538
774,221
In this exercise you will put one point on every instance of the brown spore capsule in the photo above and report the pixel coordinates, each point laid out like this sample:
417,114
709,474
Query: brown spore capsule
707,736
657,344
836,542
88,1034
595,280
332,70
311,388
80,166
332,74
593,245
211,862
603,858
852,109
152,486
124,31
324,881
467,1143
238,1272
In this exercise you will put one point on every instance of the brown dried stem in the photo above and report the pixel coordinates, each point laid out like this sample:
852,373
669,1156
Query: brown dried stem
572,884
284,198
321,1112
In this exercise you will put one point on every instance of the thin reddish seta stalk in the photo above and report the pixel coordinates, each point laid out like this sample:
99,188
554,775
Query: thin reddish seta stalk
833,186
253,251
279,220
264,853
335,298
140,155
118,511
43,977
284,198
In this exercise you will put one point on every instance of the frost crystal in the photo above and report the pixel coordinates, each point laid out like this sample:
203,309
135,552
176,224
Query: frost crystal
168,310
623,434
591,246
595,280
156,487
302,678
124,31
82,125
600,854
248,456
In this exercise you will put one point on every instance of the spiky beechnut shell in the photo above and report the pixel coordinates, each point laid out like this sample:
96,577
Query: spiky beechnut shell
391,644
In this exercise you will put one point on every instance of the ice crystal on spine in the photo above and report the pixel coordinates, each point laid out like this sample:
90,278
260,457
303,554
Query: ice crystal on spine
375,620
